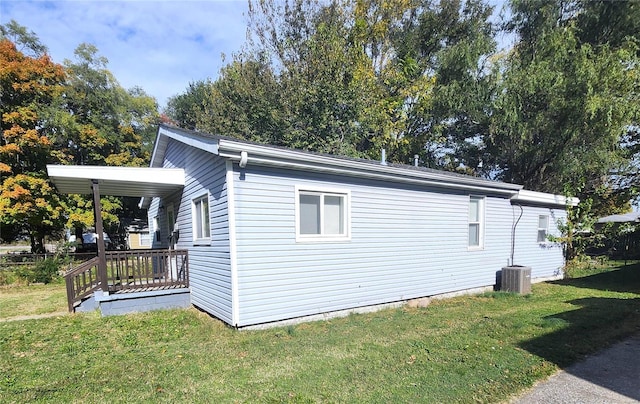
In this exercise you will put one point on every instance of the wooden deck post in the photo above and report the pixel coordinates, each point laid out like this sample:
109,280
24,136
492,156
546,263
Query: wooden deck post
102,259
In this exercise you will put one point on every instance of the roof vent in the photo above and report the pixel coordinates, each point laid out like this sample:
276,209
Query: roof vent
383,160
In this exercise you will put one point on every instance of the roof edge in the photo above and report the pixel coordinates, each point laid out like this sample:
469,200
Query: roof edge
543,198
270,156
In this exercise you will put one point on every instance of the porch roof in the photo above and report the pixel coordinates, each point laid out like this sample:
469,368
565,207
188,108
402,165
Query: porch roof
117,181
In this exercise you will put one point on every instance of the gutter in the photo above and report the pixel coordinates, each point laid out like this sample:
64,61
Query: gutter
541,198
283,158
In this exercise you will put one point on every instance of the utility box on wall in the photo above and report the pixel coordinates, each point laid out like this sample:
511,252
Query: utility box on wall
516,279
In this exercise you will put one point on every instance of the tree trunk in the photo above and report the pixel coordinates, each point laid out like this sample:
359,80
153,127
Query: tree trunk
37,243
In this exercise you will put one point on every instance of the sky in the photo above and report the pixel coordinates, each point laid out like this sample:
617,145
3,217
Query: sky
160,46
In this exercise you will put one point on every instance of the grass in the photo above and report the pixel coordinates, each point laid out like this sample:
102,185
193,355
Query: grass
484,348
24,300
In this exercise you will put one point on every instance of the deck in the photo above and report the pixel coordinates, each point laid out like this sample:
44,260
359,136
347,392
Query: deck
128,272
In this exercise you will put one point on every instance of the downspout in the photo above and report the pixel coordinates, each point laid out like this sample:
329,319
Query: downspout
513,233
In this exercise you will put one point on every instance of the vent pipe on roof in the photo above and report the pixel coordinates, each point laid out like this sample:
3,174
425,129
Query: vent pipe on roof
383,160
416,159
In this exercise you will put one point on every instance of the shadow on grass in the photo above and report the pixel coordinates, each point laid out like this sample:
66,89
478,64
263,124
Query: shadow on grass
596,323
625,280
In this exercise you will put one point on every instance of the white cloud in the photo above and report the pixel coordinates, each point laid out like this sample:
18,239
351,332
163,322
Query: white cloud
160,46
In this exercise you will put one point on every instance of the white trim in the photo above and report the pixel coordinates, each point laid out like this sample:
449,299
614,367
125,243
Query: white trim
164,134
544,198
233,248
482,219
300,238
118,181
194,225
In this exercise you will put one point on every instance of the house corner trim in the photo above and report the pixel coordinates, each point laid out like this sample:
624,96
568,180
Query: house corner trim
233,253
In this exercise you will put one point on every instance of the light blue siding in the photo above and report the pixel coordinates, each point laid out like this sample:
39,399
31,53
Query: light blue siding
209,265
406,242
545,259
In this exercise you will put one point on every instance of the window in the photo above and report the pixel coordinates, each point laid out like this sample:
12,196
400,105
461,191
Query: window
543,228
201,226
476,222
156,227
322,215
171,220
145,240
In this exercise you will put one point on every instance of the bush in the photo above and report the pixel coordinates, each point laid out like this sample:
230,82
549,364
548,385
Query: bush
580,265
45,271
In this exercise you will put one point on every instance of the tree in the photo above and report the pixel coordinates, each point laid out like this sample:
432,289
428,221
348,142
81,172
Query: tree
101,123
28,85
71,114
563,104
355,77
452,42
188,108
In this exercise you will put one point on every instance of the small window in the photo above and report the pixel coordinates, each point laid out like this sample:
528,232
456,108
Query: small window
322,215
201,226
145,240
171,220
476,222
543,228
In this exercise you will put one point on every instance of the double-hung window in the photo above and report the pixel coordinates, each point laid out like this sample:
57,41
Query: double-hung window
543,228
201,226
476,222
322,215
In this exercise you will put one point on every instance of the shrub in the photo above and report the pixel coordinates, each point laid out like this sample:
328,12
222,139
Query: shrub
44,271
581,264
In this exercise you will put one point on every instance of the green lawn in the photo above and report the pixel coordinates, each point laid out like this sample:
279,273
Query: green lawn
470,349
23,300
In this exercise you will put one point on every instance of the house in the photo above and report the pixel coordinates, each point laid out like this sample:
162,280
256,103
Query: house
138,236
275,234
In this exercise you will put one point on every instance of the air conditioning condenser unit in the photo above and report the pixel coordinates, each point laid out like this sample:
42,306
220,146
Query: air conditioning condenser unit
516,279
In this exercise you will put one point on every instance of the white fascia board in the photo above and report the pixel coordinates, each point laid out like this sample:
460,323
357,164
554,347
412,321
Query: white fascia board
268,156
169,176
199,142
543,198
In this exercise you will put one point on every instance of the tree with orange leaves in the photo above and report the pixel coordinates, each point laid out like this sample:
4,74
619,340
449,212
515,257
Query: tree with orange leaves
29,84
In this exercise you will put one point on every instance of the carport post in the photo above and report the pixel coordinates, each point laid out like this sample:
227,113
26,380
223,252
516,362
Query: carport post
102,258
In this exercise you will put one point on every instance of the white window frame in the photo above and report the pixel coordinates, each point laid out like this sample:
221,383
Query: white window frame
346,217
480,222
546,229
195,203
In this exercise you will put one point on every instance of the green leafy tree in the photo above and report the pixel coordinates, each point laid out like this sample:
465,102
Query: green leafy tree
355,77
563,104
103,124
187,109
452,42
